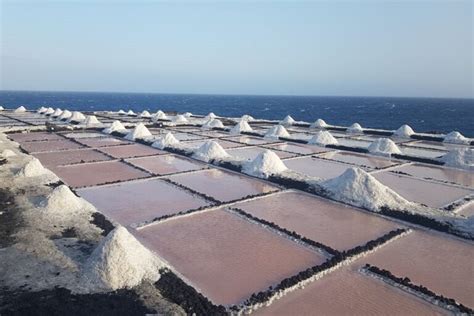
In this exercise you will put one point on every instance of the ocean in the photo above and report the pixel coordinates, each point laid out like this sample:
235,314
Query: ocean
422,114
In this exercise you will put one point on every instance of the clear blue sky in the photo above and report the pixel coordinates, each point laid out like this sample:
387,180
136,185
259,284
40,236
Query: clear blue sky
384,48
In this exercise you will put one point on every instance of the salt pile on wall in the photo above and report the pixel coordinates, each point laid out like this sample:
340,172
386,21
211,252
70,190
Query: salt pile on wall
165,141
384,147
62,201
2,108
65,115
211,123
76,117
120,261
210,150
8,153
145,114
355,129
264,165
159,115
116,126
404,131
247,118
57,112
20,109
462,158
130,112
456,138
122,112
140,131
276,131
242,126
319,124
49,111
92,120
323,138
211,116
357,187
180,119
34,168
187,114
288,120
41,110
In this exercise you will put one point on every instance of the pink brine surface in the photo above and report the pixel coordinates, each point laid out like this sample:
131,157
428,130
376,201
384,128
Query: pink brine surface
50,145
65,157
330,223
225,257
166,164
129,151
316,167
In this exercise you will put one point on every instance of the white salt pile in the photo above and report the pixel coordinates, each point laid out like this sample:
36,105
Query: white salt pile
210,150
91,121
288,120
242,126
8,153
355,129
120,261
116,126
180,119
211,116
165,141
357,187
76,117
122,112
187,114
159,115
456,138
247,118
63,200
49,111
20,109
2,108
65,115
264,165
130,112
41,110
384,147
140,131
276,131
323,138
34,168
211,123
462,158
319,123
57,112
404,131
145,114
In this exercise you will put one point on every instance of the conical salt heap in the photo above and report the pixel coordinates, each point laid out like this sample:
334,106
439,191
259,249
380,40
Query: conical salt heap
264,165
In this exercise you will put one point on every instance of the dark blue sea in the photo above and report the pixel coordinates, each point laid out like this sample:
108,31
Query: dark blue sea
423,114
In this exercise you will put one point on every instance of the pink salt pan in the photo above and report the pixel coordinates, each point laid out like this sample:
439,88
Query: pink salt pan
249,140
50,145
67,157
88,174
442,264
316,167
225,257
360,159
346,292
251,153
429,193
138,201
102,141
330,223
223,143
461,177
34,136
299,148
132,150
223,186
166,164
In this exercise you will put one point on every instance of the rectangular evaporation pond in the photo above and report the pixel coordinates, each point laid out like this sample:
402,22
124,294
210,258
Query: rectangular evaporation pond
251,153
429,193
298,148
213,134
138,201
462,177
442,264
78,135
360,159
372,138
90,174
420,152
130,151
166,164
225,257
187,136
223,143
221,185
50,145
316,167
102,141
435,145
347,292
67,157
34,136
351,142
338,226
249,140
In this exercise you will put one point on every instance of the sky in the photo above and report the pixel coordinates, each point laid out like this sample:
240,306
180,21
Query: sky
351,48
